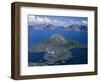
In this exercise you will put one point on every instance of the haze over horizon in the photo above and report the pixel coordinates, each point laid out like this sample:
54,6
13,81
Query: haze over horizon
57,20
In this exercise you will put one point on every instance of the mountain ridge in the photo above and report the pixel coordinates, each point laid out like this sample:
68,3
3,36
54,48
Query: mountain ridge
73,27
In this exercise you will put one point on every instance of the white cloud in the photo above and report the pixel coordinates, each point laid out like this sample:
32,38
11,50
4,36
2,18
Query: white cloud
46,19
31,18
71,21
84,22
38,19
55,21
74,22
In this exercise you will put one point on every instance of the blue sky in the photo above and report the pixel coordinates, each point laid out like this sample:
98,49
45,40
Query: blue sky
56,20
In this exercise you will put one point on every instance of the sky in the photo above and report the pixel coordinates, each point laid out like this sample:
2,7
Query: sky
56,20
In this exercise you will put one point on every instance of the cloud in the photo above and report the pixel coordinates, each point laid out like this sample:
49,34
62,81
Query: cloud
31,18
71,21
46,19
84,22
43,20
55,21
39,19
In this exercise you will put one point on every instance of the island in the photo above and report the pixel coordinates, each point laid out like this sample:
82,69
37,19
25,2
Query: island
55,48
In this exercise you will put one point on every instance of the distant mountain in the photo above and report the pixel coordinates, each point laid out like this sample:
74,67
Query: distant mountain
77,27
74,27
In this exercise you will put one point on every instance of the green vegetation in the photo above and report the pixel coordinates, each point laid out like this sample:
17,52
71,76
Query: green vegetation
56,48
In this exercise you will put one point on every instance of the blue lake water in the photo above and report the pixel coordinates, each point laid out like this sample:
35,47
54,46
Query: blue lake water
80,55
